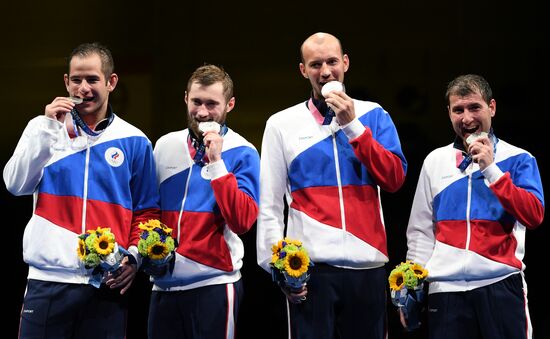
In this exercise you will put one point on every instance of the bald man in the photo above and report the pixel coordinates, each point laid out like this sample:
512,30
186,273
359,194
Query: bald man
327,157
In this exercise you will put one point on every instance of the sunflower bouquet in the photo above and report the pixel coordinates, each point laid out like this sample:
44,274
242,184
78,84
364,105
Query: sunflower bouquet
290,263
97,249
156,246
407,290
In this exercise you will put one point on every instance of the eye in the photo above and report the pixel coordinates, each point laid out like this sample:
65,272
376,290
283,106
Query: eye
92,80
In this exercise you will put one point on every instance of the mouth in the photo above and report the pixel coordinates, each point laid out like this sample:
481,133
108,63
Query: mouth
471,130
79,100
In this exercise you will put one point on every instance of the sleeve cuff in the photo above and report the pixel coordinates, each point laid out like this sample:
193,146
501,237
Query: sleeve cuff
136,258
492,173
353,129
216,169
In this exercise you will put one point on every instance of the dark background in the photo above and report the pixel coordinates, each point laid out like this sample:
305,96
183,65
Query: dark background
402,54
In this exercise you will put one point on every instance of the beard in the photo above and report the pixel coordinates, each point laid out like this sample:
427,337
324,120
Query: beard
193,124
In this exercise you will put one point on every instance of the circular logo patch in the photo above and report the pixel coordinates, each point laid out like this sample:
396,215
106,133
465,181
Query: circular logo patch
114,156
204,173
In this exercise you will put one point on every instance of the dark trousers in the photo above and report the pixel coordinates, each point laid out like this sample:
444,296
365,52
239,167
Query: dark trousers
208,312
496,311
341,303
60,310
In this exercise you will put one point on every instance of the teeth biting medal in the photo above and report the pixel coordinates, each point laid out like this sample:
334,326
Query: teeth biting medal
76,100
474,136
209,126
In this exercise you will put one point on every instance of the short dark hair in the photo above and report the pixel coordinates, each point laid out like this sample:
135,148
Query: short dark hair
468,84
208,74
87,49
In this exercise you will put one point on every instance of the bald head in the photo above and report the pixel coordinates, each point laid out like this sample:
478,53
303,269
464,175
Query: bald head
319,39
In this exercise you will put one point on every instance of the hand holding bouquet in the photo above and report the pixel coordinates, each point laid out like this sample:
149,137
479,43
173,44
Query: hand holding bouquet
98,249
406,287
289,264
156,246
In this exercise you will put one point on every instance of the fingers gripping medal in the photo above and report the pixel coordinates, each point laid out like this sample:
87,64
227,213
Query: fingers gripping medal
327,88
205,127
468,159
61,143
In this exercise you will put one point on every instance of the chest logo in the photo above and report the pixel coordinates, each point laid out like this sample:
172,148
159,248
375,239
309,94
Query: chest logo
205,174
114,156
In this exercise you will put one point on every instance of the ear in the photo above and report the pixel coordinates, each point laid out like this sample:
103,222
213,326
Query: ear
185,97
493,107
231,104
112,82
303,70
66,80
345,59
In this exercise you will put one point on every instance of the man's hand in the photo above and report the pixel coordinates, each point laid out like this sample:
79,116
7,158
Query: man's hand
123,277
295,296
402,318
342,105
58,108
482,152
214,143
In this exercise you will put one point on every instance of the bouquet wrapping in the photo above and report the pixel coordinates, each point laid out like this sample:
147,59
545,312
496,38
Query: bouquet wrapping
290,263
407,291
156,246
97,249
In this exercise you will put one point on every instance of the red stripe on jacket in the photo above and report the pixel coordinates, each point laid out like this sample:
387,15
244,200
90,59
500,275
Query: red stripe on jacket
361,206
489,239
385,167
520,203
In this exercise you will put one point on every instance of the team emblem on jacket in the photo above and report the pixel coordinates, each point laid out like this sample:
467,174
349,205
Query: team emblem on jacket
204,173
114,156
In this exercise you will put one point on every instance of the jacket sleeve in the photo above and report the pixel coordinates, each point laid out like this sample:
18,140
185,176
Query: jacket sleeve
145,196
273,183
23,171
237,193
381,154
420,231
520,192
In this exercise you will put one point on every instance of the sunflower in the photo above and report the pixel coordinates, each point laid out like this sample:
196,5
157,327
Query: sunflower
294,242
276,249
296,263
104,245
397,280
419,271
148,226
158,251
81,250
274,257
100,230
167,230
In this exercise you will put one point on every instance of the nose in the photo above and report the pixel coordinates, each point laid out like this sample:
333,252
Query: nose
84,87
467,117
202,111
325,70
